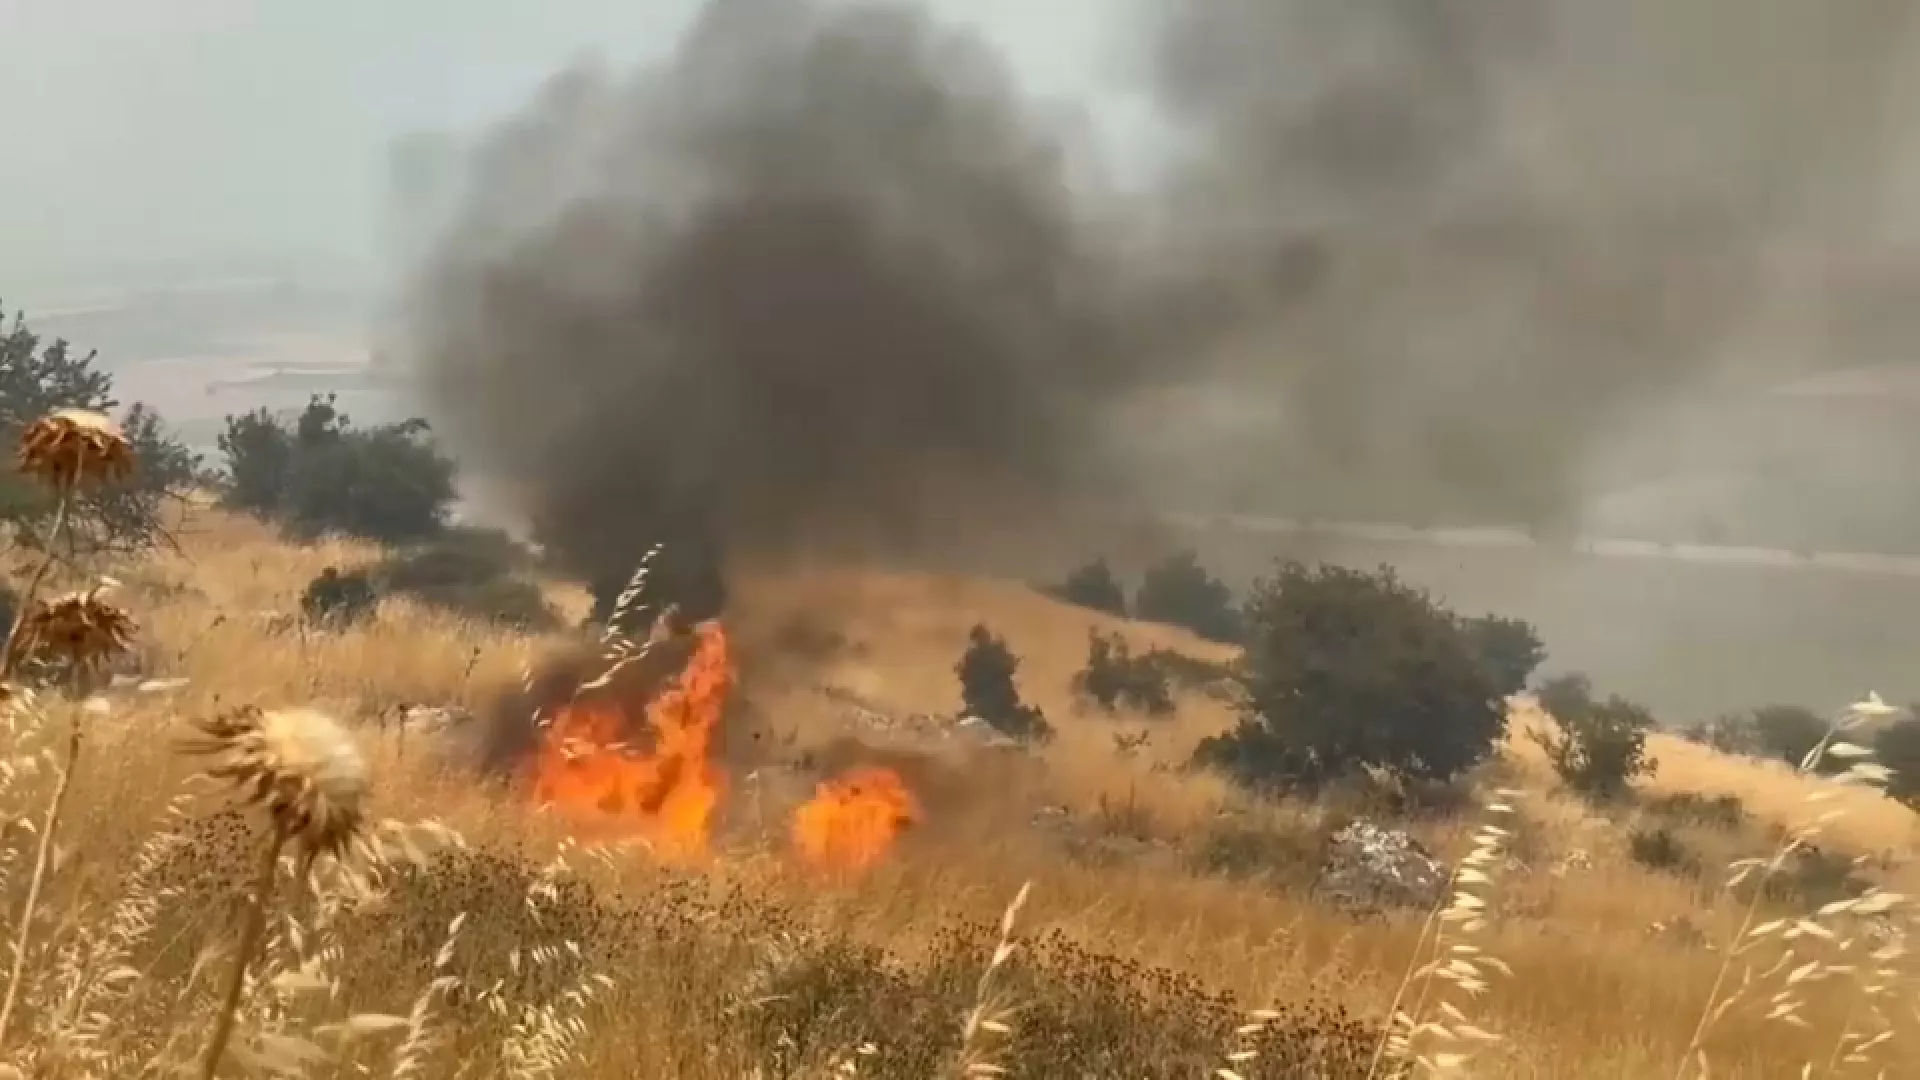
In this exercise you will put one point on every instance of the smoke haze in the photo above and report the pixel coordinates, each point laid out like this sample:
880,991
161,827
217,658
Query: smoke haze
826,273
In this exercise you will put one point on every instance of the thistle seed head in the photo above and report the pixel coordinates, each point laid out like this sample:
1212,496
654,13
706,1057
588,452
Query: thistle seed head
75,446
300,764
79,627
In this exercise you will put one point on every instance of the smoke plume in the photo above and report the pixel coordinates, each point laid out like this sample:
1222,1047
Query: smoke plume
825,273
819,275
1529,223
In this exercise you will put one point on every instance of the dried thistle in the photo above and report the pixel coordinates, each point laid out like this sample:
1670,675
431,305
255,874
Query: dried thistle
70,447
299,764
304,769
80,627
84,629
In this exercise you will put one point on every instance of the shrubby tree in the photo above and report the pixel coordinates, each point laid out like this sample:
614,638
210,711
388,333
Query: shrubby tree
1179,591
37,377
1597,748
1509,649
987,689
1115,677
1346,670
1094,586
386,483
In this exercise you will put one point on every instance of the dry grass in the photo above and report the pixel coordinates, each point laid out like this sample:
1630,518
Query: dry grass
476,940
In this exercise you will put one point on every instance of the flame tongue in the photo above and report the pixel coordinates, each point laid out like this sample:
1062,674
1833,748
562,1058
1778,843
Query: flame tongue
668,794
853,820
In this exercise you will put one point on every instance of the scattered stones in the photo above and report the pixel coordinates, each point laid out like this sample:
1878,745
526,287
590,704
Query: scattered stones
1371,869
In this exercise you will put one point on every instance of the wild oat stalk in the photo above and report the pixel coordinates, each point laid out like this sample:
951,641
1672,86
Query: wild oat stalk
1787,1002
305,771
1451,960
986,1017
66,449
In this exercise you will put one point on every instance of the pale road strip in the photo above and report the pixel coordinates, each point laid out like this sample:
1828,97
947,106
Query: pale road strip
1601,547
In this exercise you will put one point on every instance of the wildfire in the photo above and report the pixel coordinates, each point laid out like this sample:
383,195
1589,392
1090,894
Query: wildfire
589,766
854,819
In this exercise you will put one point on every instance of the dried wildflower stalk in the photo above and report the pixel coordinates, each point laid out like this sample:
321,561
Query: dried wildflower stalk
1786,1003
983,1018
65,449
1452,960
304,770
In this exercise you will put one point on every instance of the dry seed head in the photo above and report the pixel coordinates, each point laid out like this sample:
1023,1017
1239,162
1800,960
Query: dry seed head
80,627
75,446
300,764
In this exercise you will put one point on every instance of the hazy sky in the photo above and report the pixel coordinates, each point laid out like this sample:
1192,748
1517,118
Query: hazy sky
143,129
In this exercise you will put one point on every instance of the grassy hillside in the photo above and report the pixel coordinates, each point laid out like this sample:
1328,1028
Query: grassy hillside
1167,912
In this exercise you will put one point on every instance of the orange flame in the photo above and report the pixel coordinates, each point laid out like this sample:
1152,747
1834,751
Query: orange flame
853,820
667,794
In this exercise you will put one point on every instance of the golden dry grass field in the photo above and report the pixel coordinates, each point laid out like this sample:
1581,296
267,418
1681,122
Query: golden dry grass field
1166,932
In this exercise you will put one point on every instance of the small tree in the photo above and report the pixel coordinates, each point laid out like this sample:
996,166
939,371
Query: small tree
1095,586
1179,591
386,483
1597,748
1346,670
987,689
1896,748
259,454
38,377
1114,677
1510,650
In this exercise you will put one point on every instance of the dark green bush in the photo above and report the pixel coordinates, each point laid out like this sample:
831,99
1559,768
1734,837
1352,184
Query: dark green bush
1509,649
1598,748
37,377
1115,678
386,483
986,671
1346,670
1178,591
1094,586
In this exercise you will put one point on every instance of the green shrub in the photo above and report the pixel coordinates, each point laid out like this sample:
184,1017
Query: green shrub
987,689
1346,670
1094,586
1509,649
1597,748
1179,592
37,377
1115,678
386,483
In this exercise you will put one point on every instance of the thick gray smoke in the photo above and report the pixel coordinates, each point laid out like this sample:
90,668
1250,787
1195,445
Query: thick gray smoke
1525,225
824,273
820,275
